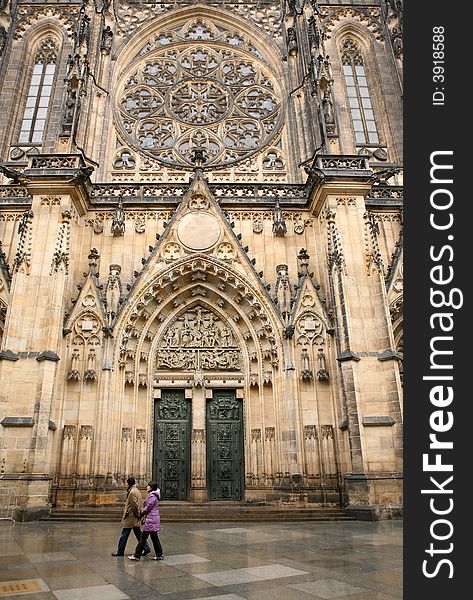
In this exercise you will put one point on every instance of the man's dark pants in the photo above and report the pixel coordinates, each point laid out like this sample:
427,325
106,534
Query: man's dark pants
124,538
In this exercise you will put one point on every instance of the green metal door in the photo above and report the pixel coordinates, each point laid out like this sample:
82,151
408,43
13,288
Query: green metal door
225,446
171,446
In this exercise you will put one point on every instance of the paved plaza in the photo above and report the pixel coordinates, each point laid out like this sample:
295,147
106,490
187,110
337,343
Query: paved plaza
220,561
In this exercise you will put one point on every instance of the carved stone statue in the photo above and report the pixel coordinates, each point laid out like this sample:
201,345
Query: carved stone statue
118,222
279,225
327,111
292,46
113,291
107,39
74,374
306,374
322,373
3,39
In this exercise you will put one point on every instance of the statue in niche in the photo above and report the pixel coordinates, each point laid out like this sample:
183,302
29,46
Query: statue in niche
118,222
90,374
327,110
69,111
113,291
322,373
3,39
74,374
107,38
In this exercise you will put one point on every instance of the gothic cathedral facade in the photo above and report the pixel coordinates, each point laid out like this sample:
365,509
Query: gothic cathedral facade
201,252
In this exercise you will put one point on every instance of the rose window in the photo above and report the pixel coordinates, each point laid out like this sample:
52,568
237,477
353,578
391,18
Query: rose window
199,102
219,100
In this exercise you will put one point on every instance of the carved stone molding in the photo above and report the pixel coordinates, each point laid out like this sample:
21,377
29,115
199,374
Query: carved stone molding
310,432
141,435
70,432
27,15
369,16
127,434
198,436
86,432
256,435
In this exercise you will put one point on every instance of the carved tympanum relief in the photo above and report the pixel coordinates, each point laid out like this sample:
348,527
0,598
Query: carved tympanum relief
198,339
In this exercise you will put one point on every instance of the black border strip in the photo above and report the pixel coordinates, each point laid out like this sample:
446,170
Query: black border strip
432,128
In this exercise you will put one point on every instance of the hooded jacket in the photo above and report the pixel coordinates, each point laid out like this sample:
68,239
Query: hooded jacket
150,511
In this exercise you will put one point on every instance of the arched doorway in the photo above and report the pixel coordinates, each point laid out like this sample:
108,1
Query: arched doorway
198,419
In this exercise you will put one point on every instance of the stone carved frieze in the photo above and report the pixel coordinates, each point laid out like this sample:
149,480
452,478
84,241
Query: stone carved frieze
326,431
198,436
127,433
198,340
256,435
103,193
53,161
13,191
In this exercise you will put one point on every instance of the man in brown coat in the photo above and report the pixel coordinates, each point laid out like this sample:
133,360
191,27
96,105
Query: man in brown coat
131,519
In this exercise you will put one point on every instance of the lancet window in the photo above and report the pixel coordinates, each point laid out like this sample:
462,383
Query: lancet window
359,99
39,93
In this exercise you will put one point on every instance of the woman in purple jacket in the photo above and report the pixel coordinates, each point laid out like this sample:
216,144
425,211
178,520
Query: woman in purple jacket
152,523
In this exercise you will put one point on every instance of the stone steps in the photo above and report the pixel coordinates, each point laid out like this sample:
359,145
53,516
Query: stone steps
174,512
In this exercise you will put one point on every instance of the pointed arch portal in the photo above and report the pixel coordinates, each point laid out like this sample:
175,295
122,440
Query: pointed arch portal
199,331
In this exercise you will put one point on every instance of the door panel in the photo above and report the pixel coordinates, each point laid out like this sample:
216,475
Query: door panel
225,446
171,457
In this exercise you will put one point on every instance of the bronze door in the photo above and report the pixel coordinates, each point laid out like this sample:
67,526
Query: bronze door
171,445
225,446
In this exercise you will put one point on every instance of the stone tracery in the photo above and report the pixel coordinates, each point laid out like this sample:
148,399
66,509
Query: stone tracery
179,96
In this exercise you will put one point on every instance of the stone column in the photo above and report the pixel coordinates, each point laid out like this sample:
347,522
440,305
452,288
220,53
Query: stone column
198,491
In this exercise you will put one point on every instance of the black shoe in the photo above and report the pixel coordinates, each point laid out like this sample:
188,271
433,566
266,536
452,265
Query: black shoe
159,557
146,552
118,554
